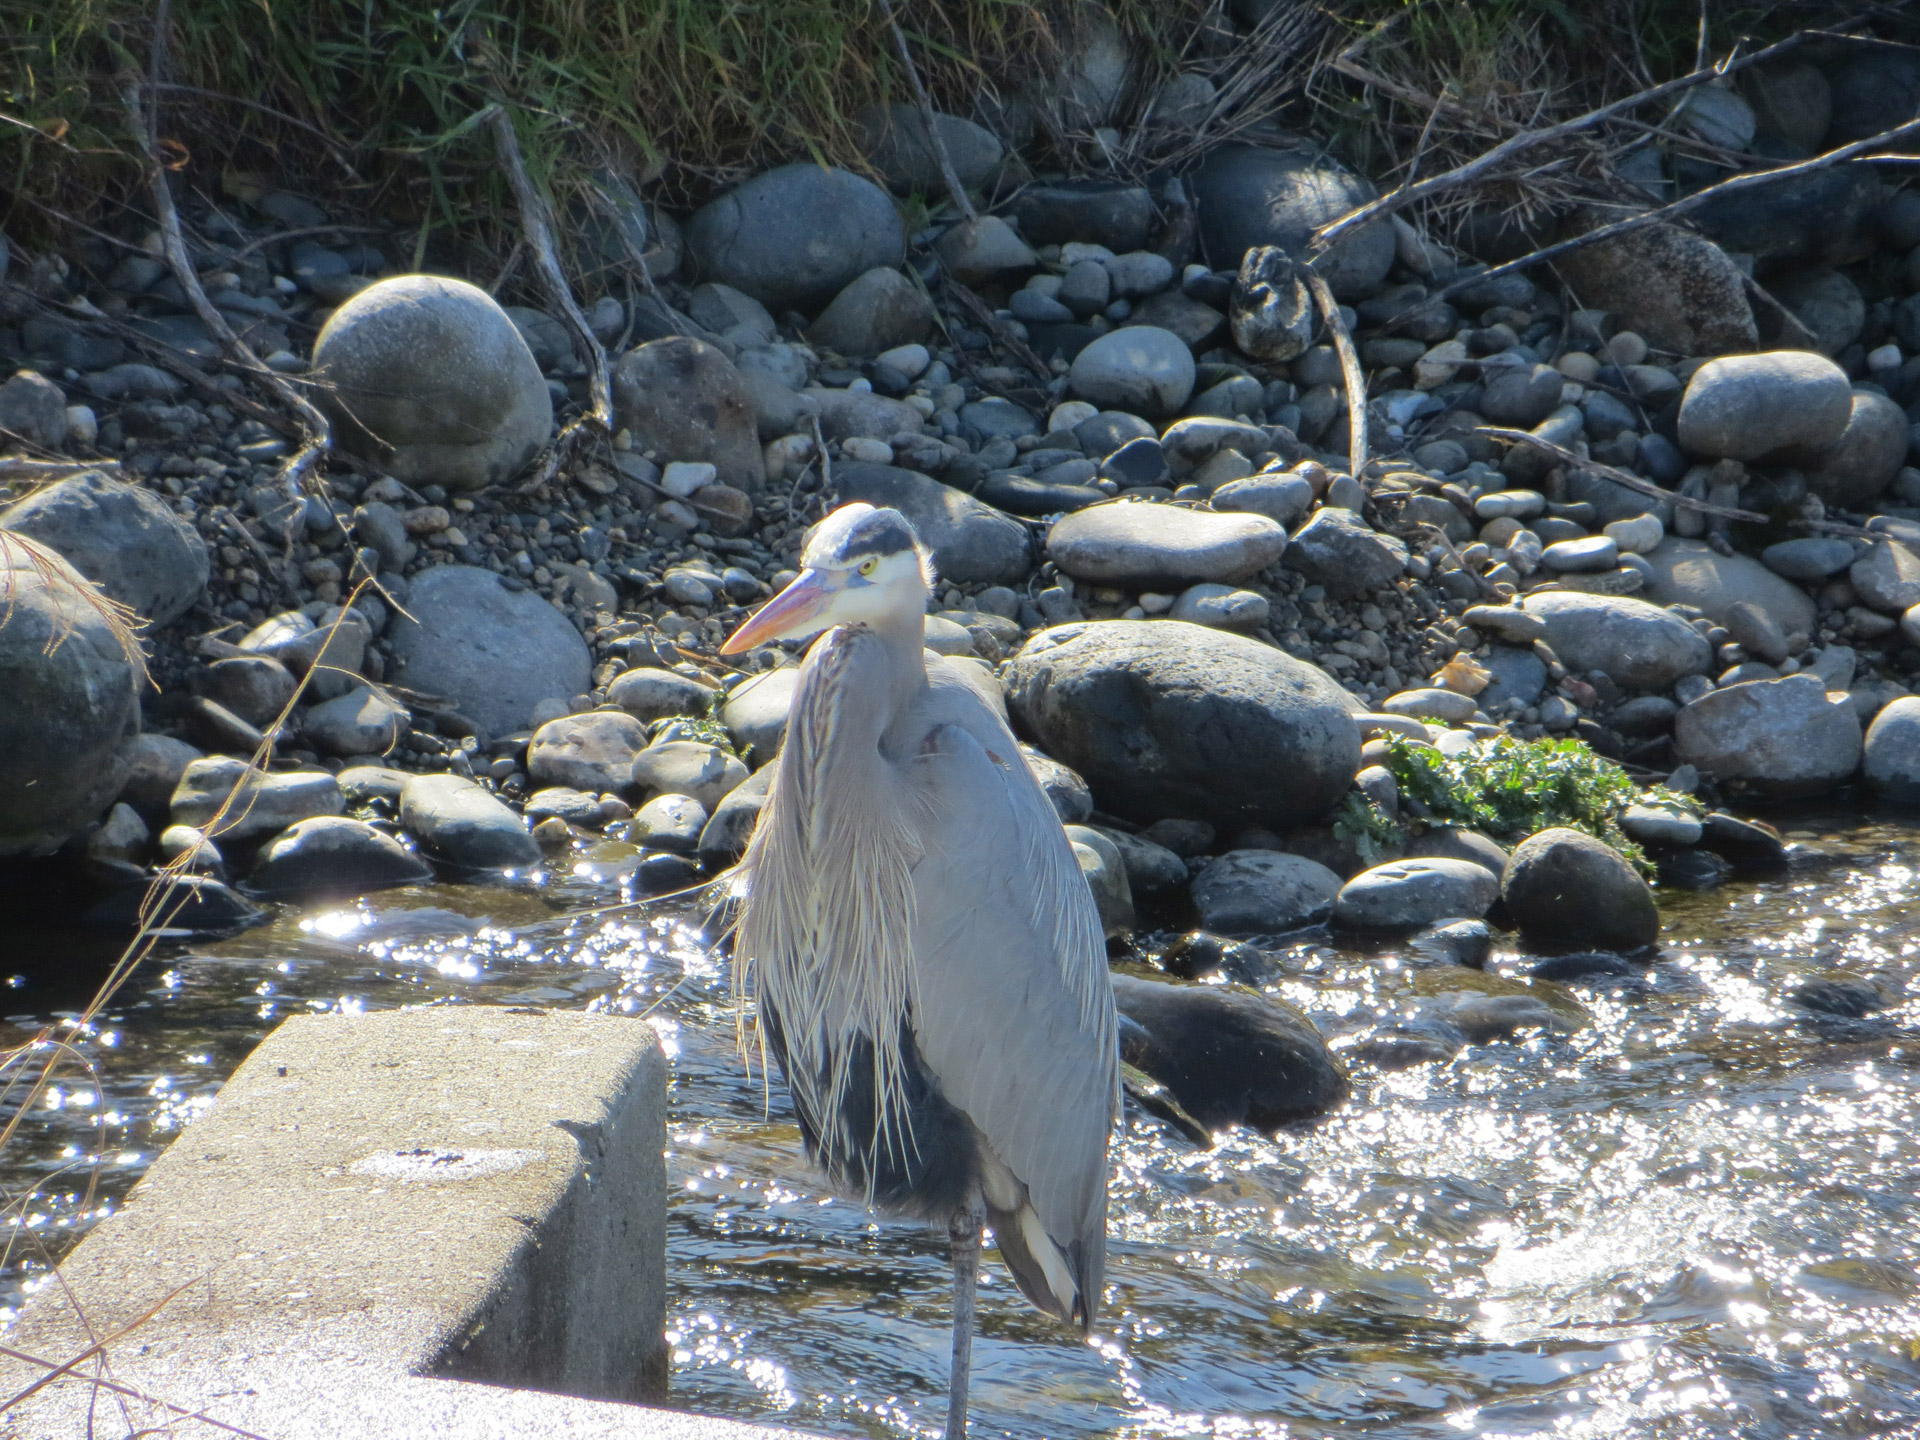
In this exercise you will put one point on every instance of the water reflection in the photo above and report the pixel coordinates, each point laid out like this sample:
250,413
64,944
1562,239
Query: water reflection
1684,1208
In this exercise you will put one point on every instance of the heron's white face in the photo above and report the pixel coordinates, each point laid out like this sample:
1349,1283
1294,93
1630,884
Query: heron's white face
858,590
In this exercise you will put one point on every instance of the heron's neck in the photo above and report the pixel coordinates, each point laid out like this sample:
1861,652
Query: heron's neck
905,634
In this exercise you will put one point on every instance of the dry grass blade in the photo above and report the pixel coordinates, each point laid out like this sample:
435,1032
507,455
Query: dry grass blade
955,190
67,1368
58,577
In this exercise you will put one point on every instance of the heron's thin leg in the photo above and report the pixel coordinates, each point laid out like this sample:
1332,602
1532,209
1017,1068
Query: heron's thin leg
963,1232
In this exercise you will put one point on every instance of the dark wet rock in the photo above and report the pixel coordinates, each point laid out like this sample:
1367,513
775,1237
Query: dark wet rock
562,802
1783,737
682,399
1065,790
1145,546
71,708
1248,196
1200,954
1454,942
1153,871
1155,716
1481,1018
1847,997
1401,1047
727,830
593,751
1584,967
895,138
1229,1057
971,543
428,379
1751,847
457,822
255,802
122,537
1675,289
1263,892
792,237
1856,471
1096,212
1411,893
1337,550
1822,215
1637,645
1690,868
1783,403
493,651
158,762
1106,876
663,872
1567,890
1022,495
196,905
333,856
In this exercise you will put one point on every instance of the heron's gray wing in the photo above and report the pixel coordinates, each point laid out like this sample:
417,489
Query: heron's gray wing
1013,1008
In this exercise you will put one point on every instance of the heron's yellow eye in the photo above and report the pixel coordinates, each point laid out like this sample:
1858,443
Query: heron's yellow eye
869,565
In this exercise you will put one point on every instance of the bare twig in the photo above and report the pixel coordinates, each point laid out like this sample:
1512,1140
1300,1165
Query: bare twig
536,224
1685,206
318,432
12,467
129,1392
983,314
1356,379
1399,199
955,190
332,144
1756,291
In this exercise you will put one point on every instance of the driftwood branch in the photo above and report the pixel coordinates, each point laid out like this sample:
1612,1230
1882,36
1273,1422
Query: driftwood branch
1684,206
1481,165
1356,379
536,224
955,190
316,431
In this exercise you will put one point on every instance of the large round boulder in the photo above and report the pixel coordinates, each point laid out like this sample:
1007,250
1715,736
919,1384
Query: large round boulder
492,651
71,711
430,380
895,137
1782,737
1568,891
122,537
682,399
1248,196
1892,759
1636,645
1783,403
1856,471
795,236
1722,587
1177,720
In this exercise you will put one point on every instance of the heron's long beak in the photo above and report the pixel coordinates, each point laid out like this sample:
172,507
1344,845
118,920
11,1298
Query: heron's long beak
798,610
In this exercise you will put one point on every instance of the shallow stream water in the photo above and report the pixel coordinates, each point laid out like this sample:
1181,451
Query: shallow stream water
1694,1211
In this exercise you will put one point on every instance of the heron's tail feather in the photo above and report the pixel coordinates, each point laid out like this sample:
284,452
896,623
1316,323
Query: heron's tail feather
1042,1270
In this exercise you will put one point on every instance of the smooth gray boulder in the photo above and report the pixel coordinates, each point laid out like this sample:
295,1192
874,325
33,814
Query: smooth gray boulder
1690,572
1637,645
731,824
1891,760
650,693
669,822
1283,499
682,399
1153,871
1141,369
687,767
593,751
361,722
1887,577
755,712
1143,546
428,379
1176,720
249,801
492,651
1340,552
333,856
35,409
1565,890
1411,893
1106,877
879,310
1247,196
456,821
1781,403
69,703
1856,470
971,543
1809,558
1781,737
1263,892
122,537
794,236
895,138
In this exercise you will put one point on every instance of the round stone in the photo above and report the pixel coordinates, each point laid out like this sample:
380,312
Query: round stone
1409,894
1514,504
1143,546
687,767
122,537
1138,368
592,752
334,856
1751,407
794,236
1637,645
1263,892
456,821
653,694
1595,552
1568,891
1783,737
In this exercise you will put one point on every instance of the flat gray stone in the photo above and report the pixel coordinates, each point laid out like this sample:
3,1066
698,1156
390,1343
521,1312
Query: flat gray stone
1809,559
687,767
1263,892
654,694
895,138
1409,894
1595,552
878,310
1887,577
456,821
971,543
1689,572
593,751
494,652
361,722
1637,645
1782,737
1147,546
255,802
793,236
1221,606
122,537
1338,551
1753,407
1283,499
1141,369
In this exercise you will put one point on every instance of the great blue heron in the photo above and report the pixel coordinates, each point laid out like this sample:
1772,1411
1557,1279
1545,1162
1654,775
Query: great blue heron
929,966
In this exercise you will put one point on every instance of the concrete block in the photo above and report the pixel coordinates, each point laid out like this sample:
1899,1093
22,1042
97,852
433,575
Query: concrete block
374,1203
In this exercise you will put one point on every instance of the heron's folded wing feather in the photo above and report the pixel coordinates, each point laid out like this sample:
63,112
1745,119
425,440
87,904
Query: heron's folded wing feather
1014,1008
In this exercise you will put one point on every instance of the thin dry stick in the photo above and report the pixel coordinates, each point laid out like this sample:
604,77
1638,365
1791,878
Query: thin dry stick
317,433
1756,291
129,1392
1677,208
1349,368
536,223
955,190
1507,149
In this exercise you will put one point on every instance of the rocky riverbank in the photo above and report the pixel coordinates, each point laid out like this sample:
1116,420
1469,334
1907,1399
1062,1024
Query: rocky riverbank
1267,692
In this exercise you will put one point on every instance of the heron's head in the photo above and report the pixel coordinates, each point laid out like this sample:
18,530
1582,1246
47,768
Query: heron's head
861,566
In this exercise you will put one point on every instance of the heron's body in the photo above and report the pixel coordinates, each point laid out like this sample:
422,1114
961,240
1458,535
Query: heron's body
926,956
